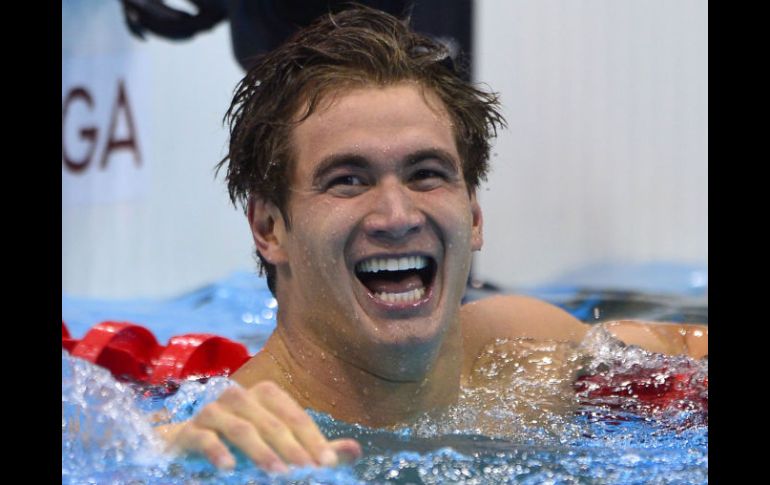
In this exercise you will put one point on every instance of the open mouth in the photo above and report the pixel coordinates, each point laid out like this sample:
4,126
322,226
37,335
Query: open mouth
403,279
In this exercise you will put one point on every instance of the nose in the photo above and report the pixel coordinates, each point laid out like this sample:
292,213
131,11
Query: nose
394,214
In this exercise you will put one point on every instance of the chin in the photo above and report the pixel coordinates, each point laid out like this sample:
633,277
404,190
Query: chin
407,344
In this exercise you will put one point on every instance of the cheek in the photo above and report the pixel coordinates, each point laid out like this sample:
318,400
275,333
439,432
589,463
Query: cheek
322,230
458,222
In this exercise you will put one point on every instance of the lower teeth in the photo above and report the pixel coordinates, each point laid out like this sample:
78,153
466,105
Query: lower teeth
406,297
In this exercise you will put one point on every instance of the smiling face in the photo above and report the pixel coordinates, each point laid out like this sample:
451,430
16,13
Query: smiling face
375,259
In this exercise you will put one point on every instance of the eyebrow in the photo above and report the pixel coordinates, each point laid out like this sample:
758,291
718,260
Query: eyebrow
444,158
337,160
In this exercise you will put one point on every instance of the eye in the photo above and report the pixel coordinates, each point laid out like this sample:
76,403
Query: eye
346,180
346,185
427,179
426,173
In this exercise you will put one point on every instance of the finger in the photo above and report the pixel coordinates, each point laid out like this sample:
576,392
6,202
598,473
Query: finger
348,450
191,438
298,421
169,432
274,431
241,433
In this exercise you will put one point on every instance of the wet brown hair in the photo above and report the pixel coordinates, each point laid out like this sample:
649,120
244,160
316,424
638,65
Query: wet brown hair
356,47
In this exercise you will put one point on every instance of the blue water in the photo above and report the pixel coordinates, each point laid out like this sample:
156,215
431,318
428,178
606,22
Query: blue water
106,437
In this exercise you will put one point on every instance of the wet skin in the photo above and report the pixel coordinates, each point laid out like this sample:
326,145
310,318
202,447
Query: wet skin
377,174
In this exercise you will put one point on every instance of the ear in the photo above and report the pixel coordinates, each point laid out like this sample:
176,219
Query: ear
477,235
268,229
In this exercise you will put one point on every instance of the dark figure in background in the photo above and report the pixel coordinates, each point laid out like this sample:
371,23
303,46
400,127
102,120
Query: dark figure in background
259,26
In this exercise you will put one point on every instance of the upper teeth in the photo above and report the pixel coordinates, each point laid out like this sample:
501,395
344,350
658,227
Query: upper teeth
392,264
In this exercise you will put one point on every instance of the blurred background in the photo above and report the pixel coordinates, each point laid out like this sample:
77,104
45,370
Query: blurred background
601,176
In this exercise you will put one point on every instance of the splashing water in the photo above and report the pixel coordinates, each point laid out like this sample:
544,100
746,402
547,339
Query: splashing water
519,419
102,427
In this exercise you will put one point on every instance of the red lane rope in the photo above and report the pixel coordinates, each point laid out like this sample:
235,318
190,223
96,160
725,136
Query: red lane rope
131,352
679,386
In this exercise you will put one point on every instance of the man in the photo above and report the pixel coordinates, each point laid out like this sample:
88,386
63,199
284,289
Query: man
356,151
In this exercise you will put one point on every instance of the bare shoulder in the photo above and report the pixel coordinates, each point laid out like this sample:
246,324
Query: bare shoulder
515,316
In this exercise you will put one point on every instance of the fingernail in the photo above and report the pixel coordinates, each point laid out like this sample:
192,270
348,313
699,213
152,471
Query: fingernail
224,462
347,458
278,467
328,458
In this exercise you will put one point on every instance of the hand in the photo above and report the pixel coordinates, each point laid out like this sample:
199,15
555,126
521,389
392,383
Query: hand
266,424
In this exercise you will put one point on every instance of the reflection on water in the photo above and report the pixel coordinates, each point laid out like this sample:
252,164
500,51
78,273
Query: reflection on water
519,420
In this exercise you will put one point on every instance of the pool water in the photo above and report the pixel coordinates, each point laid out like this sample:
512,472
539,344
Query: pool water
533,434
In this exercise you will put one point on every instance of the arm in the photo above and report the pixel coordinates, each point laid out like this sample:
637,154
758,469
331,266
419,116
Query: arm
266,424
663,337
513,316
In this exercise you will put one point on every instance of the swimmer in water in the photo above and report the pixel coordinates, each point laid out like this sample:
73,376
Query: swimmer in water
356,151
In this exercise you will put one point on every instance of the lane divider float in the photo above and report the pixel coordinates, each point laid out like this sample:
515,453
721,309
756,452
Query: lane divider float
131,352
679,386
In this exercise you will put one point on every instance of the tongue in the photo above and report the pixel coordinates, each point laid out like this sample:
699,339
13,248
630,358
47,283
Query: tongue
378,283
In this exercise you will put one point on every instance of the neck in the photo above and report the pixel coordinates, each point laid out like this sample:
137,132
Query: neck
322,380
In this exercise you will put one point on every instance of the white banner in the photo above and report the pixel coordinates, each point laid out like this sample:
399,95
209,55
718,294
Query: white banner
104,131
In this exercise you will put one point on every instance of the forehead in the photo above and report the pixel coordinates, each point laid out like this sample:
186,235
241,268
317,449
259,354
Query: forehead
380,123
